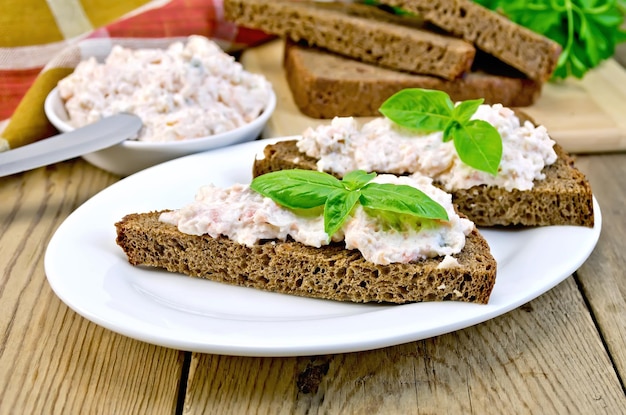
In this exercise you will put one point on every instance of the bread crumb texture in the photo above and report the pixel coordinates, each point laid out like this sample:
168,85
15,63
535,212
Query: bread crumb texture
564,197
360,32
330,272
325,85
531,53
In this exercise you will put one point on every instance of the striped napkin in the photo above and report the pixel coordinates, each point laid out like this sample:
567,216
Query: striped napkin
42,41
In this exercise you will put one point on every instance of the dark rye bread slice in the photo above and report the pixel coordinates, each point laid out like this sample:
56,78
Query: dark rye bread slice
564,197
378,38
326,85
330,272
529,52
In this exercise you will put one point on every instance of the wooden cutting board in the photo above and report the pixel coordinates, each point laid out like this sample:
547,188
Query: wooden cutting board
584,116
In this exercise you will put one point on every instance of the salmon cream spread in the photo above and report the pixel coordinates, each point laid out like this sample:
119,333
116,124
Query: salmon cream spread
183,92
383,146
246,217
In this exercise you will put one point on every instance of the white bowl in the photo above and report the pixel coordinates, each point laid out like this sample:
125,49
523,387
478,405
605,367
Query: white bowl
130,156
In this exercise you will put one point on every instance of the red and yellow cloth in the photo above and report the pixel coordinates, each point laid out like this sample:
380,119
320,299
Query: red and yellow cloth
36,36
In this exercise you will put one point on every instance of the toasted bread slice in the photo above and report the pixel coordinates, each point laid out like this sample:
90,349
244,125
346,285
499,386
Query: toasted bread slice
564,197
531,53
361,32
326,85
330,272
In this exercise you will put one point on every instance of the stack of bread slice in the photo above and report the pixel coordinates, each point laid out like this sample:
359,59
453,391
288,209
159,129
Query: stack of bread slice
345,59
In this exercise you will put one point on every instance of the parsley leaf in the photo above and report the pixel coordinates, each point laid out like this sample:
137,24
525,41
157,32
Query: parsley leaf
477,142
587,30
308,189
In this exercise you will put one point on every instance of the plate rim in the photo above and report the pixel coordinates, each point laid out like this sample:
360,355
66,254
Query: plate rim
337,346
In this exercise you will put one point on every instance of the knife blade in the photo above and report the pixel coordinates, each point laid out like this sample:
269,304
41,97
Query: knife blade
101,134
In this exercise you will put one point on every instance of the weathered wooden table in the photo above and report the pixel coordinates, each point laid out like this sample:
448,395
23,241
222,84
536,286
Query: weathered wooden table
562,353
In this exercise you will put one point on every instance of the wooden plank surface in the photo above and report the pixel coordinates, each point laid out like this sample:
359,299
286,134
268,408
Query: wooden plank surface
52,361
543,358
546,357
564,352
603,276
583,116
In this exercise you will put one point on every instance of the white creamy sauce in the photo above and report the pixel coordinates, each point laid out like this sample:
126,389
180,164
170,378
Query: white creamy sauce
183,92
246,217
381,145
448,262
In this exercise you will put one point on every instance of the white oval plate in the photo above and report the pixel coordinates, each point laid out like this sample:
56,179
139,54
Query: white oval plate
90,273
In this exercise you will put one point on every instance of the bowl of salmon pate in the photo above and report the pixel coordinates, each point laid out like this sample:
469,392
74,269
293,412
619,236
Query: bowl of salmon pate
190,95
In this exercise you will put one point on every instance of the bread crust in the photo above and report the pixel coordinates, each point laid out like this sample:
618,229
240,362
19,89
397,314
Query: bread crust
330,272
325,85
564,197
344,29
531,53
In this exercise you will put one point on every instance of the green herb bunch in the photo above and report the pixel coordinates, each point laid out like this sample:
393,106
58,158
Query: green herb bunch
307,189
587,30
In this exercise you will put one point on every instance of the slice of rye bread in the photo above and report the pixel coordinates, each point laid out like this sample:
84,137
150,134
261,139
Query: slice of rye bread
531,53
329,272
326,85
380,38
563,198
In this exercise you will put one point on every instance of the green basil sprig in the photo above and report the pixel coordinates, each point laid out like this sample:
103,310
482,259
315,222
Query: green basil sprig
477,142
308,189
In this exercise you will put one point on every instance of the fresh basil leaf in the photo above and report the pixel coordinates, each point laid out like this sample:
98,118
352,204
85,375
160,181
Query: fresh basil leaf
399,222
463,112
448,132
338,207
296,189
419,109
305,191
356,179
457,123
401,199
479,145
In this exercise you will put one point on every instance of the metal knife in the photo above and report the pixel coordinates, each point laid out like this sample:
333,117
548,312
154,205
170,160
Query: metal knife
101,134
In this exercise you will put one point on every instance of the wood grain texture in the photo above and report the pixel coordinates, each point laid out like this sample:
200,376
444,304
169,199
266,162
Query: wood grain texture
52,361
544,358
562,353
603,276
